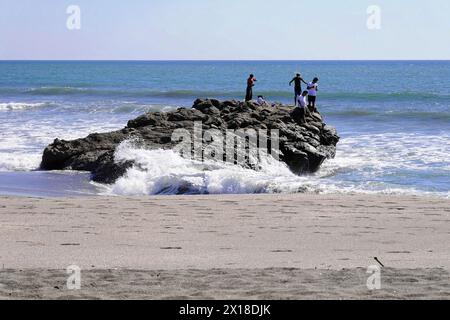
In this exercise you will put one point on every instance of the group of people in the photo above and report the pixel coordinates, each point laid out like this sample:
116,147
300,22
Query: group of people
311,92
301,96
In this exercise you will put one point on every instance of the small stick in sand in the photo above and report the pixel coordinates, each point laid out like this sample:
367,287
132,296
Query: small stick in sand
376,259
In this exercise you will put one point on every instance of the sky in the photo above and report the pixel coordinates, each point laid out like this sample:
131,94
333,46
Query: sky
225,30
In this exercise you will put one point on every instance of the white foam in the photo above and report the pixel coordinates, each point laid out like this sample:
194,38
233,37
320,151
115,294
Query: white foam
165,172
19,161
10,106
24,138
383,152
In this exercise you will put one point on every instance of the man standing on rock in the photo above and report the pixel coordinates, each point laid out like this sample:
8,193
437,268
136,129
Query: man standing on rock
298,86
250,84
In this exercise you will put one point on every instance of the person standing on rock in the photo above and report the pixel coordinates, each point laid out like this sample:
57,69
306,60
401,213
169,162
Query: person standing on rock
297,86
313,87
250,84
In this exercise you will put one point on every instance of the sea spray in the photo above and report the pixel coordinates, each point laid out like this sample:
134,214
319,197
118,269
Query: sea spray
166,172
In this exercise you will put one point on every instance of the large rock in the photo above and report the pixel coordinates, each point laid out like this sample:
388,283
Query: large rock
303,146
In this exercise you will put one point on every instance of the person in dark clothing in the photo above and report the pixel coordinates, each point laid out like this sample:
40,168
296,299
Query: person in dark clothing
250,84
297,86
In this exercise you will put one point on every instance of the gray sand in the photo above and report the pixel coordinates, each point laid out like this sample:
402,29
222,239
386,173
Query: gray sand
226,284
246,246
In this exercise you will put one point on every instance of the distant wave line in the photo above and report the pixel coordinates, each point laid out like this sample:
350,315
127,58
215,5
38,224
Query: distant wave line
186,93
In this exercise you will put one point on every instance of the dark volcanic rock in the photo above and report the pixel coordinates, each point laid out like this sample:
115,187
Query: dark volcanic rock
303,146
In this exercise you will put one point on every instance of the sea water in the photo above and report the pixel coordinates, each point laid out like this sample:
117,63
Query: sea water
393,117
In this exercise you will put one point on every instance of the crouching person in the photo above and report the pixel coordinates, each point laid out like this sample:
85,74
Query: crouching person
299,113
301,104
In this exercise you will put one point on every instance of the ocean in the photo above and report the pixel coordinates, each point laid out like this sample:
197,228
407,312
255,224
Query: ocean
393,117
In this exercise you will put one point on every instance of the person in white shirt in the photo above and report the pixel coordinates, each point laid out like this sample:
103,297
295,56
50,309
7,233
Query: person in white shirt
301,100
261,101
301,106
313,87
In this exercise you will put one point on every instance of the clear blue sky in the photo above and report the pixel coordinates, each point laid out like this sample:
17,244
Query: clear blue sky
224,29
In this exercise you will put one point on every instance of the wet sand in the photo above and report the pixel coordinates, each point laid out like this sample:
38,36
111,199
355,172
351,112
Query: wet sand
302,246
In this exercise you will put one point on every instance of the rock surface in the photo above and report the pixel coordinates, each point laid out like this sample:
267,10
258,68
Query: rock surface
303,146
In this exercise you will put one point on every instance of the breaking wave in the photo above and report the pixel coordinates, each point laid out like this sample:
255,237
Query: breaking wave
19,161
164,172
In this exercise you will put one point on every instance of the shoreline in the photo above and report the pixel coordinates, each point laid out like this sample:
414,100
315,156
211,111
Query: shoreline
32,183
100,195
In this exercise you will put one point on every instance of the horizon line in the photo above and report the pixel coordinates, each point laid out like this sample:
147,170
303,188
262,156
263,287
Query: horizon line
215,60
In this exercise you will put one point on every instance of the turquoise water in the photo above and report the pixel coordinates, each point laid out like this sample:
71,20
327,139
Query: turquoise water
394,119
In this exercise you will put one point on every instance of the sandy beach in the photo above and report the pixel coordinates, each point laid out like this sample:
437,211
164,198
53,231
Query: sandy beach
302,246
